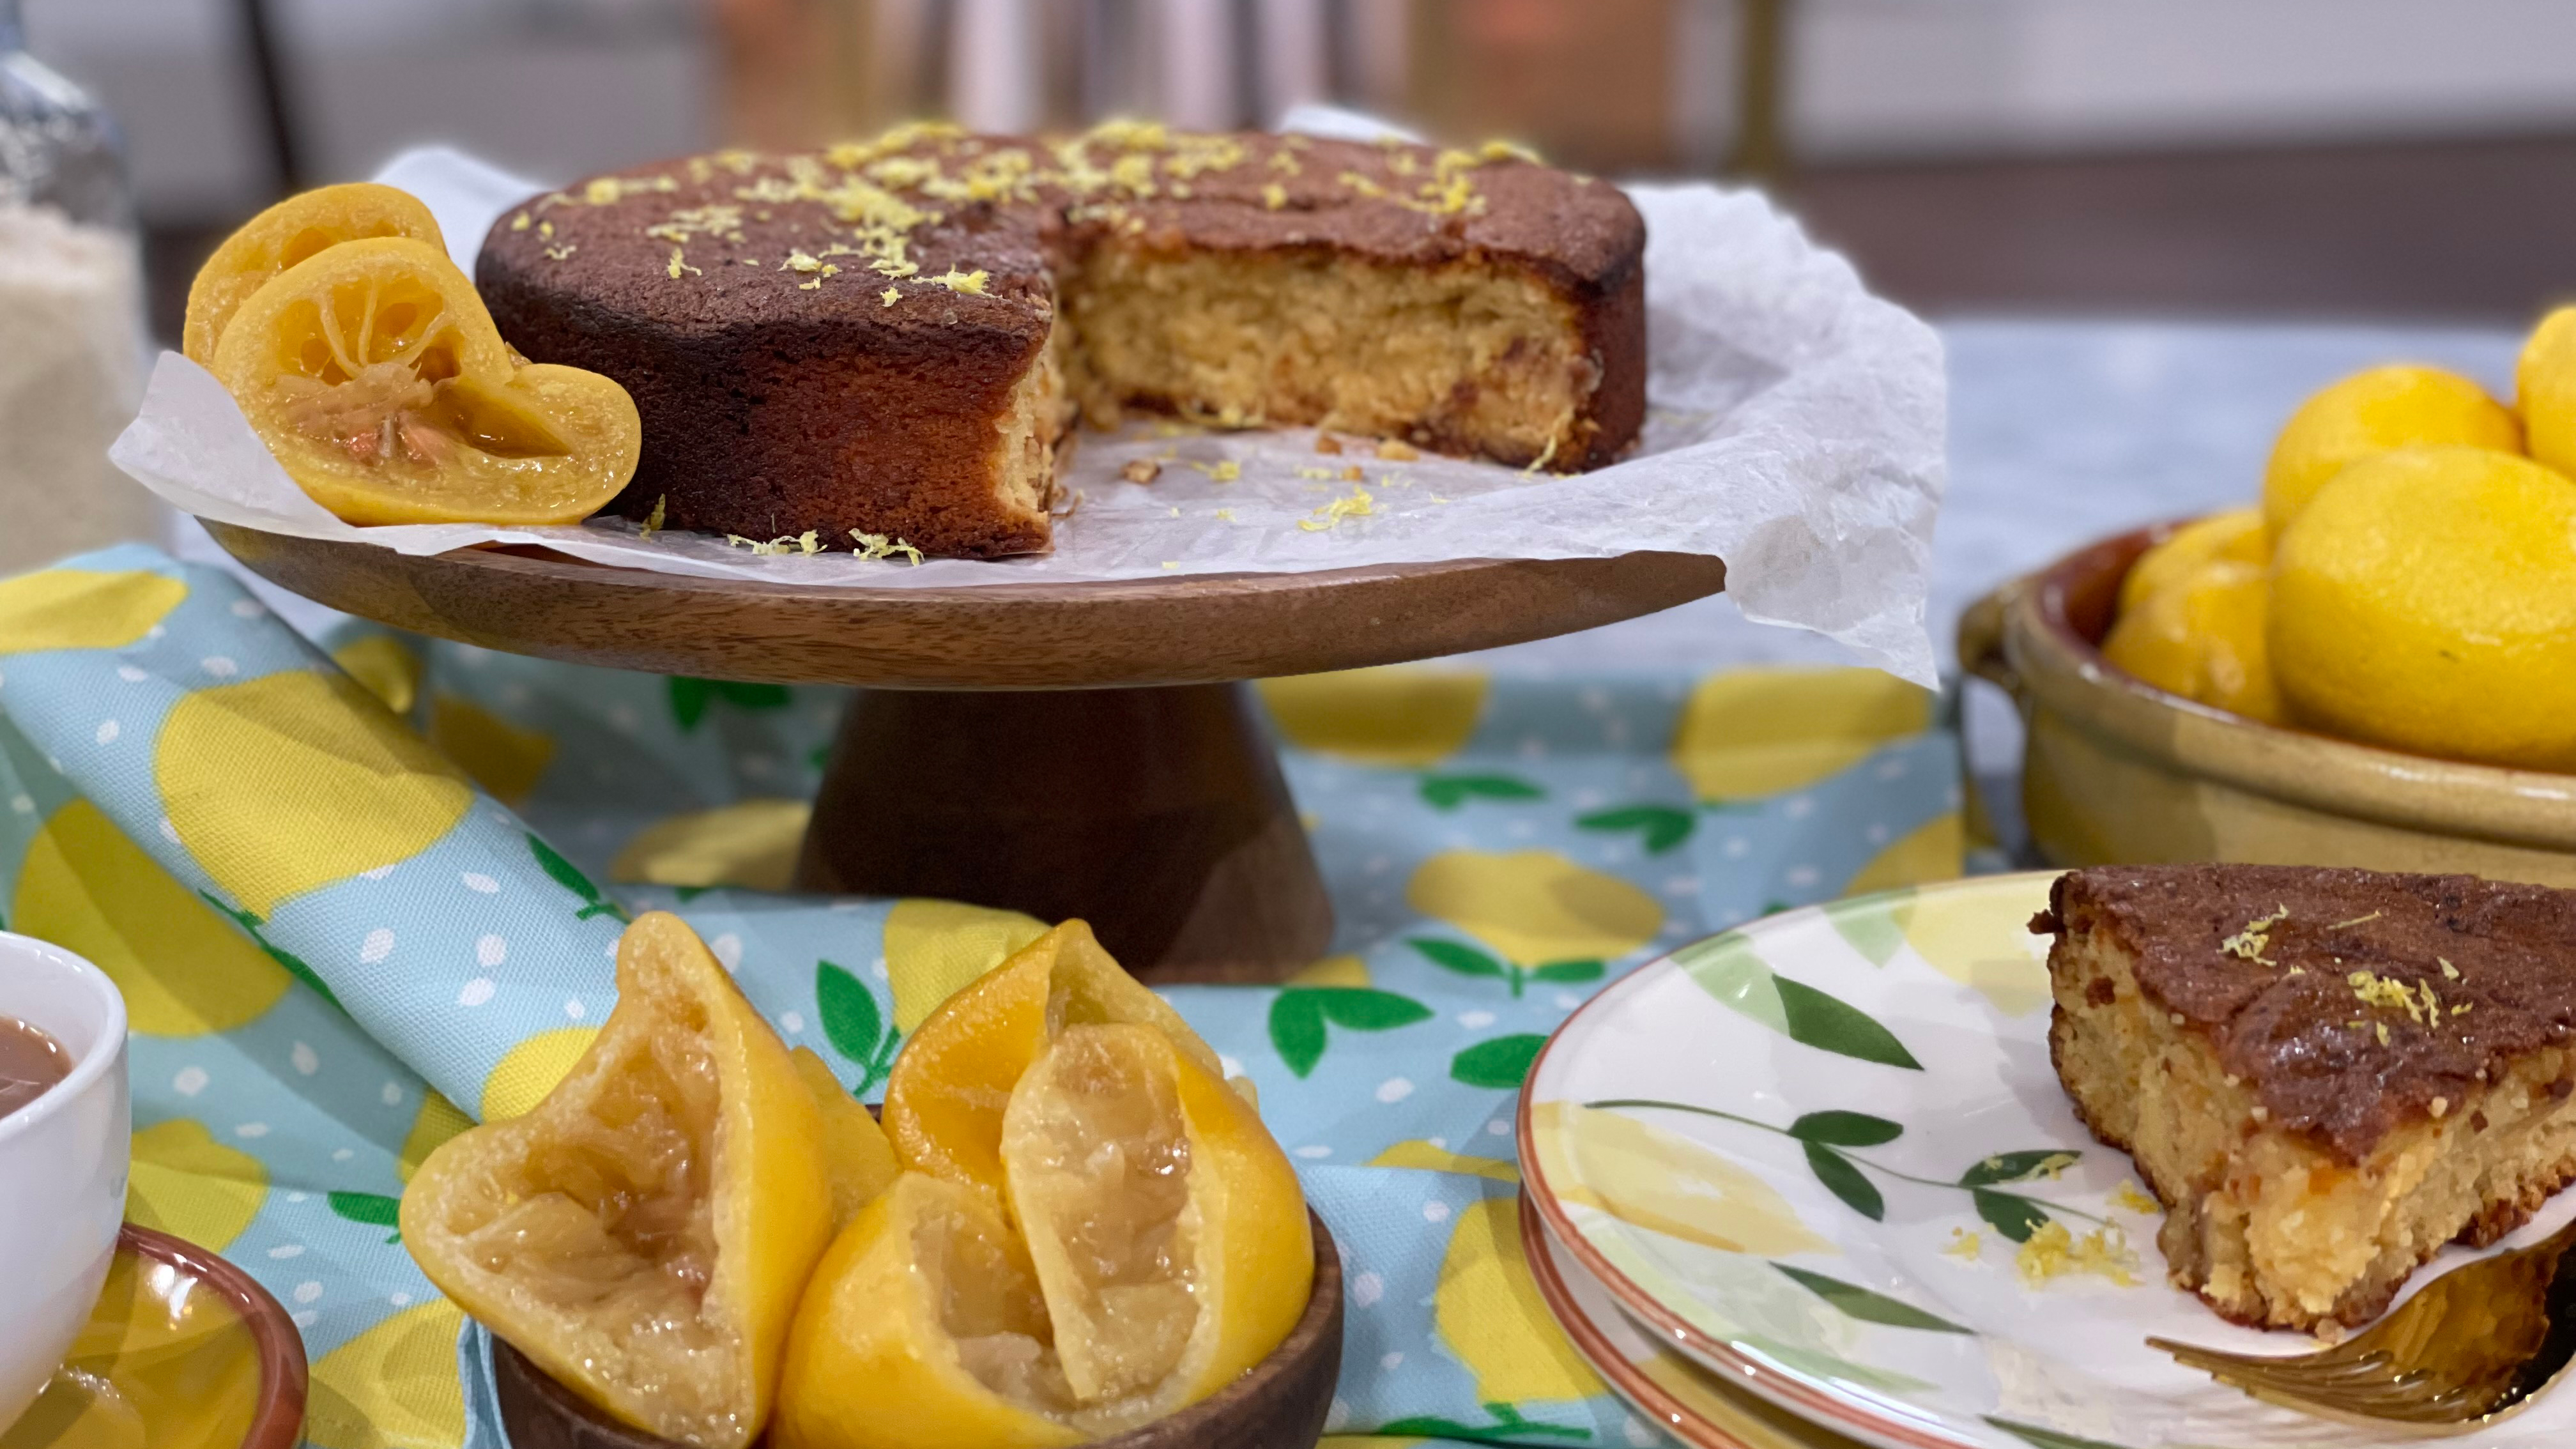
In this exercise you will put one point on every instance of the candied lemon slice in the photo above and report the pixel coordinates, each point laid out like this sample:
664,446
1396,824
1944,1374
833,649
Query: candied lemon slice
644,1232
1167,1229
923,1329
857,1159
944,1100
375,375
300,227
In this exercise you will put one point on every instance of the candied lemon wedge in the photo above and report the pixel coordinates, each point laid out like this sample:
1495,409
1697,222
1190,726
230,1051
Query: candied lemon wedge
923,1329
1167,1229
296,229
643,1233
857,1160
373,372
945,1098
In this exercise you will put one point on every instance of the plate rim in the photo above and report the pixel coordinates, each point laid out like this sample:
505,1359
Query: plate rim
1593,1346
1783,1386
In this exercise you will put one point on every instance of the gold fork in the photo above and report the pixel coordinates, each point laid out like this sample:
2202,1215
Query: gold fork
2475,1345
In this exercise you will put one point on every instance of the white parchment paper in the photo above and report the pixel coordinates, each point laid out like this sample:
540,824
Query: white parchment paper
1795,429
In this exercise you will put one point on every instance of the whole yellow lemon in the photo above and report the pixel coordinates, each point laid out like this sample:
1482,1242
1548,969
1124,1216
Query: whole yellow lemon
2202,636
2372,412
2545,389
2236,534
2426,600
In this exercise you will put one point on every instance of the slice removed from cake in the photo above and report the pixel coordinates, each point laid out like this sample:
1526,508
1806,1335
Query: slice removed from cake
2325,1075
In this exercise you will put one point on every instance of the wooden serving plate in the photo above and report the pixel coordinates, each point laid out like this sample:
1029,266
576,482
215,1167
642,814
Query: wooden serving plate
1280,1403
1061,749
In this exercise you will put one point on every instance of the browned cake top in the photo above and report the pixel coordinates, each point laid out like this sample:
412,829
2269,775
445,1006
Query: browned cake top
2349,1000
930,227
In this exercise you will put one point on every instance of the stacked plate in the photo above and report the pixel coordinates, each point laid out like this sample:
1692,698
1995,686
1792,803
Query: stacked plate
1814,1183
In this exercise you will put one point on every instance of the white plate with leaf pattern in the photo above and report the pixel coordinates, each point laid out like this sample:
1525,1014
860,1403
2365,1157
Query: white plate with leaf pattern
1818,1154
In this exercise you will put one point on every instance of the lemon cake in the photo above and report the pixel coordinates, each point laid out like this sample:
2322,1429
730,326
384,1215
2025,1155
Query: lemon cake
888,340
2325,1075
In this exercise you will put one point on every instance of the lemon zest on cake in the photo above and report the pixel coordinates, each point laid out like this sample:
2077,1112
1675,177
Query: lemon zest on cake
680,264
877,545
1274,196
1330,516
2129,1199
2355,921
1287,162
890,296
519,222
546,230
957,281
653,520
1508,151
556,254
1361,184
2449,971
2056,1252
2250,943
714,219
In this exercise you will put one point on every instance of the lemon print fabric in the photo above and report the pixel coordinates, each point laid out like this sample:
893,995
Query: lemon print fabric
183,969
500,756
1490,1314
185,1183
1754,732
277,785
217,811
1402,716
78,609
394,1386
1535,906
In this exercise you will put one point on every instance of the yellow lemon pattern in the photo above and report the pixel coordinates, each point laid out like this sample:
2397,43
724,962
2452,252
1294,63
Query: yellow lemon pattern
1424,1155
751,843
187,1184
72,609
437,1120
1395,715
1968,937
1332,971
1642,1174
934,947
529,1070
384,667
1491,1316
1756,732
500,756
1535,906
391,1387
1934,850
184,971
284,783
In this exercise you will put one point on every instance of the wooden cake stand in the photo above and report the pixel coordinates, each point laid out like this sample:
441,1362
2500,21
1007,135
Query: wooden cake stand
1061,749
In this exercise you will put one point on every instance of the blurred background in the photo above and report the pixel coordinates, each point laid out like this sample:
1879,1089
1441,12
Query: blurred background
2389,158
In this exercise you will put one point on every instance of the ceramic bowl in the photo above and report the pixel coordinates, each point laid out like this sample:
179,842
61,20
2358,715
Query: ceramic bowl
2115,771
62,1164
1280,1403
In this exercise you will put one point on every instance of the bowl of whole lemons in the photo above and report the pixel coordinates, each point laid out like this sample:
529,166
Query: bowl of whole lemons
2374,667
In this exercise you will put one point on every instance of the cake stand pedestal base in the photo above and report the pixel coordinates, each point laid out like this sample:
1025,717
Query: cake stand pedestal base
1158,815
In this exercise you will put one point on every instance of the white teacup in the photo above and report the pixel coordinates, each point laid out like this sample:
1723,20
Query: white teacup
62,1164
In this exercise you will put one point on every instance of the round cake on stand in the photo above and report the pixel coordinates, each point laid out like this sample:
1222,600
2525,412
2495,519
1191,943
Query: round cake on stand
1061,749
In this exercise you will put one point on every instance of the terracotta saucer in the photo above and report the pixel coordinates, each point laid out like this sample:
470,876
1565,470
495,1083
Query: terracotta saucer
182,1344
1279,1404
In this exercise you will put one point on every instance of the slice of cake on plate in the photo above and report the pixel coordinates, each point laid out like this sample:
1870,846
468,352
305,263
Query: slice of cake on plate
2325,1075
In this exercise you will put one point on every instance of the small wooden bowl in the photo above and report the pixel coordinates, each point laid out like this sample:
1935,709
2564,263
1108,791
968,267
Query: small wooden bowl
1279,1404
2116,771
